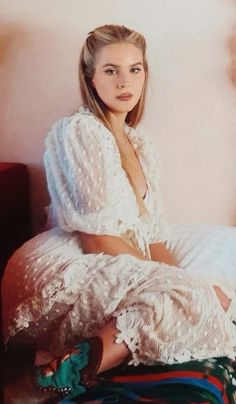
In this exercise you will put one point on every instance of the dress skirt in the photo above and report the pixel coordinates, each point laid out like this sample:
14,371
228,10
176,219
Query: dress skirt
53,295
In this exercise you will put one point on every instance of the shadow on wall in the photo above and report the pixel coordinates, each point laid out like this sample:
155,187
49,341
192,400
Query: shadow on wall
34,95
10,33
12,38
232,48
232,67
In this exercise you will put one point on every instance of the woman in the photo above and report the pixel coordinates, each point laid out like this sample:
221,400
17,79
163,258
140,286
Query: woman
103,272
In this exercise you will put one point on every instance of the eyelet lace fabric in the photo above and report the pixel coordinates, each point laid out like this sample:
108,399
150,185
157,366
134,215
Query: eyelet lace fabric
61,294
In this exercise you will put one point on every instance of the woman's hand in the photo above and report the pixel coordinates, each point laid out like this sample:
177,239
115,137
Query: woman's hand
160,253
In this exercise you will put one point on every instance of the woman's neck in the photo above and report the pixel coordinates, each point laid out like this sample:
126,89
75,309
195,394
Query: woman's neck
118,123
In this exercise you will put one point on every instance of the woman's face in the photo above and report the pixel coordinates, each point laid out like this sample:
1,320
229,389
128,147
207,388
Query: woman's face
119,76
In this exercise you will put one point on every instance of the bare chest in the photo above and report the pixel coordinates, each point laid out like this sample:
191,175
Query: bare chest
135,168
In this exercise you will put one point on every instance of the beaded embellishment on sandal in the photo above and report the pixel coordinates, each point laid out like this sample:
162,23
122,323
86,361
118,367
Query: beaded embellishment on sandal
63,376
71,375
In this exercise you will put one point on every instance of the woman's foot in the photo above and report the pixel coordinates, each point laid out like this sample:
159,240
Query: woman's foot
67,377
71,375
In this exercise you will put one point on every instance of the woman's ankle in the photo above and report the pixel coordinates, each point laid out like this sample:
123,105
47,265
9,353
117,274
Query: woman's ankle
114,354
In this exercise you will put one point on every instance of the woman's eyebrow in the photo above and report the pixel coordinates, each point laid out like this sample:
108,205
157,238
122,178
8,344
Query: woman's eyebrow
113,65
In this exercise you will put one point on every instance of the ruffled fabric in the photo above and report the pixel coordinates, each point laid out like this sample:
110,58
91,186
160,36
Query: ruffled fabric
163,314
184,321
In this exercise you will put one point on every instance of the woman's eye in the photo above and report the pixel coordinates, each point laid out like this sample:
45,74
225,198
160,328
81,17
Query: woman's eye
135,70
110,71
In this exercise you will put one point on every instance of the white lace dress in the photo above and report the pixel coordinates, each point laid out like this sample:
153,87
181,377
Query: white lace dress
54,294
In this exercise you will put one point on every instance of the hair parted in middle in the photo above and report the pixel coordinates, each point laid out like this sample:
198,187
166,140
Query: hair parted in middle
96,40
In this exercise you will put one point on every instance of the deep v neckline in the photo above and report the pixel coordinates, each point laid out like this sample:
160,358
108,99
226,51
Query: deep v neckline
134,142
137,145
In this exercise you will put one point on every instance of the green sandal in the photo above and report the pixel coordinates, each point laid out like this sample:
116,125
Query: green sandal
71,375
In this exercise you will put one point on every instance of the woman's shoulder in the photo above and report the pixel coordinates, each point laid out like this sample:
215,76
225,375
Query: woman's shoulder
81,125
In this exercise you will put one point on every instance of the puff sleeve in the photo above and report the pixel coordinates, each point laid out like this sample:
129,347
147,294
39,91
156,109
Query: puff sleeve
84,177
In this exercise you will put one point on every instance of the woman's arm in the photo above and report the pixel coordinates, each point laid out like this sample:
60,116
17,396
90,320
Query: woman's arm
110,245
113,245
160,253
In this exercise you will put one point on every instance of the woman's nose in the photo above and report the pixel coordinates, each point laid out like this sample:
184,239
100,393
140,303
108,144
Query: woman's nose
122,85
123,80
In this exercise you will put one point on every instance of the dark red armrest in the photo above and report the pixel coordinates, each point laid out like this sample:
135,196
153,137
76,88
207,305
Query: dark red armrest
15,223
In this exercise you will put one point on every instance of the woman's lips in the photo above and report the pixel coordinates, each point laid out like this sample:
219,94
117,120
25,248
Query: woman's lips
125,97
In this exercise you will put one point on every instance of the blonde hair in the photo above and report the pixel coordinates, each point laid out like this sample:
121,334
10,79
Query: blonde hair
96,40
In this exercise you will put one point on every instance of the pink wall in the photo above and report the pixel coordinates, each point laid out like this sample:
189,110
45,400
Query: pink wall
192,119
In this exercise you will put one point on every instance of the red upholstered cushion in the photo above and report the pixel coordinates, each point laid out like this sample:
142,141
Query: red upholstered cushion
14,208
